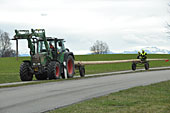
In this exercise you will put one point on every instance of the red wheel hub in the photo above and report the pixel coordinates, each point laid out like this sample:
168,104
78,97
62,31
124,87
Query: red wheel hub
57,71
70,66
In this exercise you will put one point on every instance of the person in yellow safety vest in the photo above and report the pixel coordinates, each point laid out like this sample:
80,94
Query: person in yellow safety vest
143,55
139,55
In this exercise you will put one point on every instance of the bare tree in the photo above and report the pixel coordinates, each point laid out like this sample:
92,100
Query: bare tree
5,45
99,47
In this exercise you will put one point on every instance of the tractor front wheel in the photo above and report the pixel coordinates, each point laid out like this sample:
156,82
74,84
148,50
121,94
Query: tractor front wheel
53,70
25,74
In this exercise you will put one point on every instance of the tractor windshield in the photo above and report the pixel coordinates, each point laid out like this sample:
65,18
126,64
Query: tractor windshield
41,47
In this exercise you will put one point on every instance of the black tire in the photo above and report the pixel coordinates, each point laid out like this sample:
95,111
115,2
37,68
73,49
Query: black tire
62,75
25,74
70,66
41,76
146,66
133,66
82,71
53,70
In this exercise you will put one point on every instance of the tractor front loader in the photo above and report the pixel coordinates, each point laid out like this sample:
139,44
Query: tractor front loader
49,57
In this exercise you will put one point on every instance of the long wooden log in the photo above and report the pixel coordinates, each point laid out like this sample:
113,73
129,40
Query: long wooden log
113,61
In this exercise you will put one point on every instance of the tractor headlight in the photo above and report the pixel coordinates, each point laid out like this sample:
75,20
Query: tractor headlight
38,63
34,64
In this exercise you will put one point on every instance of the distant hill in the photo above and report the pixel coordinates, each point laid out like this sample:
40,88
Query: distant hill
149,50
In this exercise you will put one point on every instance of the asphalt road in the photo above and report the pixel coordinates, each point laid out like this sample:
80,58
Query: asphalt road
44,97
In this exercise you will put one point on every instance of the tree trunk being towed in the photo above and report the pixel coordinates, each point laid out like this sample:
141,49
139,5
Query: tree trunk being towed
113,61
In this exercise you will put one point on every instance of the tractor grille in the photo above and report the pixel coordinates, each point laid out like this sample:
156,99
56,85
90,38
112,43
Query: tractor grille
36,59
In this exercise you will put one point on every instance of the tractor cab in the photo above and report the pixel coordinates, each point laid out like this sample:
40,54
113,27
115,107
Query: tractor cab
53,43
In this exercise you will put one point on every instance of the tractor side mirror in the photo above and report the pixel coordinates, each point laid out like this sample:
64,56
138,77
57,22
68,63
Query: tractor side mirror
60,44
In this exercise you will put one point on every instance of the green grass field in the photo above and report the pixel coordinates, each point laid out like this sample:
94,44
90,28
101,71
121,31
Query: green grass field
154,98
9,67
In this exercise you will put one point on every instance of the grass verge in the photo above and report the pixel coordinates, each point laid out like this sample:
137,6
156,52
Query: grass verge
154,98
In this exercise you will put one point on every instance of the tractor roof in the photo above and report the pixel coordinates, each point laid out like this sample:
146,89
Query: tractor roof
36,34
51,39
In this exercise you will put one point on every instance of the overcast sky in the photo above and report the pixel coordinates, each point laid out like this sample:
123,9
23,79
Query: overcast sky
122,24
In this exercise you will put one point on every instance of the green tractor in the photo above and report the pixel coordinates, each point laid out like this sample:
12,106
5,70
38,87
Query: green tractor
49,58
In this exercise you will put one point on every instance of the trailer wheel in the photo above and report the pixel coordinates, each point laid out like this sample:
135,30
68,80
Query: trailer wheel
53,70
146,66
133,66
41,76
82,71
25,74
70,66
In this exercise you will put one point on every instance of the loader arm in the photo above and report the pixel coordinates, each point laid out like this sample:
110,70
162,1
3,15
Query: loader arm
41,34
24,34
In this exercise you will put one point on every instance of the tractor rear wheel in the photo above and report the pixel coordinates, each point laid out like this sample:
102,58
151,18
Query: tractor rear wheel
70,66
41,76
53,70
25,74
146,66
133,66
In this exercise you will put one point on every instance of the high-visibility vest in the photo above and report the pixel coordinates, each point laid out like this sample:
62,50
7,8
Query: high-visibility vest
143,53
